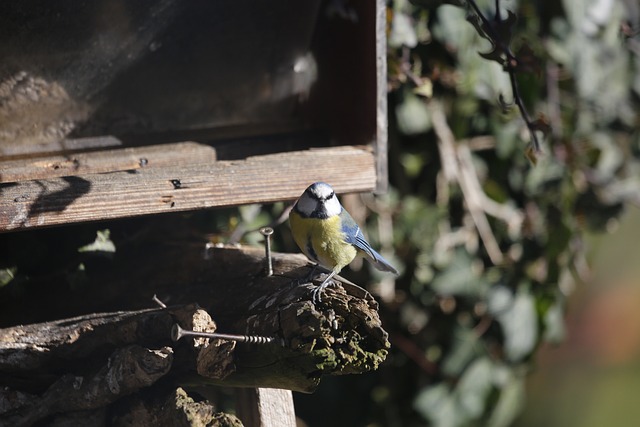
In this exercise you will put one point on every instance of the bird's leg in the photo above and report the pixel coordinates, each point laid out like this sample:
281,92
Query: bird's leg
317,297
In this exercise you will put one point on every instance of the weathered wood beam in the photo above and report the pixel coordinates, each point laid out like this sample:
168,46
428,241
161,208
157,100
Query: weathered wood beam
114,160
187,186
266,407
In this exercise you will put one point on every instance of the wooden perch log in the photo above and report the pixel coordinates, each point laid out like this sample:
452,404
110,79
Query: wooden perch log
341,335
79,364
126,371
89,362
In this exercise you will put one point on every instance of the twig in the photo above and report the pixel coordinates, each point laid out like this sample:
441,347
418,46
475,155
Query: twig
406,68
453,171
510,66
448,239
494,36
457,166
480,143
507,213
522,108
483,326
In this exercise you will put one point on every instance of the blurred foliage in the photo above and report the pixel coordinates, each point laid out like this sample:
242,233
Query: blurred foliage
491,243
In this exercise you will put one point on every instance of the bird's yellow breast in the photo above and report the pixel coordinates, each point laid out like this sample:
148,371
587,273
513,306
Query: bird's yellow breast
322,240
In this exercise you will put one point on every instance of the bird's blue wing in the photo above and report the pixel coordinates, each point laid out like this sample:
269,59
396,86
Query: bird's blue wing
354,236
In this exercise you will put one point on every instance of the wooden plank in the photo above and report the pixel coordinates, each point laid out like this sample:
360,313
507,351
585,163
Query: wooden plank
381,141
266,407
276,407
177,154
259,179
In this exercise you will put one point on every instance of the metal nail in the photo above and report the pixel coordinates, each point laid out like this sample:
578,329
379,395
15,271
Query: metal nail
177,332
158,301
267,232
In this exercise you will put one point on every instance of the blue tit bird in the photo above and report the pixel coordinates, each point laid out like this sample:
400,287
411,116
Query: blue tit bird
328,235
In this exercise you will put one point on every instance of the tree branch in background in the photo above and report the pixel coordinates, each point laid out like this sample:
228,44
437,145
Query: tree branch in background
499,34
457,165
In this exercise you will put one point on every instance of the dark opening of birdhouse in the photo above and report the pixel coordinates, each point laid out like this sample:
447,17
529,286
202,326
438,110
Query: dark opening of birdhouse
162,70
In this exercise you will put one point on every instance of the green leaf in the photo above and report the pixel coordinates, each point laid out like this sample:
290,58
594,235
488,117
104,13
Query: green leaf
437,405
418,222
518,318
464,348
474,387
461,277
554,327
531,154
425,89
451,27
7,275
101,244
511,401
403,32
610,156
413,115
412,163
547,171
444,407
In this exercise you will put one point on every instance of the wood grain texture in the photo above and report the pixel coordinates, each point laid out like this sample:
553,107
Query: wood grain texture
258,179
276,407
122,159
381,141
266,407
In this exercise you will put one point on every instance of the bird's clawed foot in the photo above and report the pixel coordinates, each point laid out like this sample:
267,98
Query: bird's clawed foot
317,292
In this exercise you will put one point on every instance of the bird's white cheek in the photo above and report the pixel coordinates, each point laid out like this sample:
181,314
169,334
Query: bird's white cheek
333,206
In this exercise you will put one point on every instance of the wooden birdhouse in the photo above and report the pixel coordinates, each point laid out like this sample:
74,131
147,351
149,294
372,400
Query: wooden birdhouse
112,110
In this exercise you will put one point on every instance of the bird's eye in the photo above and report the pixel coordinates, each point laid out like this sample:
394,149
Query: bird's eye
330,196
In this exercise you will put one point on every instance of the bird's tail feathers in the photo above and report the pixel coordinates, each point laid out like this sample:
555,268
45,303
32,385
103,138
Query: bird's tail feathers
380,263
